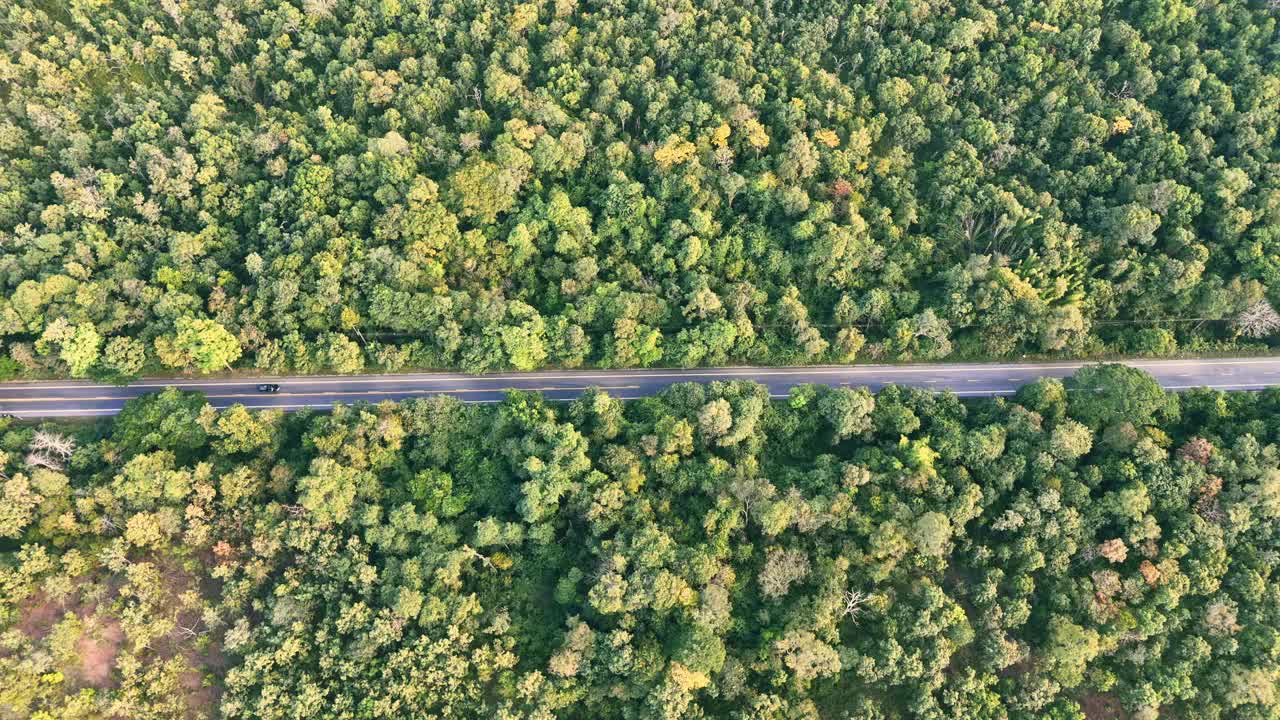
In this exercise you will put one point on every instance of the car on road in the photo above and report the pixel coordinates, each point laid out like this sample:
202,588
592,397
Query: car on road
6,416
268,387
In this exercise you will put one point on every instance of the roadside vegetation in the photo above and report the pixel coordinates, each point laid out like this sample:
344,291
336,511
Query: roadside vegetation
193,185
1095,550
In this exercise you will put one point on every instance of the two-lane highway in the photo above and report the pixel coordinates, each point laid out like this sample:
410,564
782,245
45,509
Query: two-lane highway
73,398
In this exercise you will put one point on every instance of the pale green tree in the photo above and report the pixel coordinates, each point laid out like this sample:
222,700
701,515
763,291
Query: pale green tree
204,344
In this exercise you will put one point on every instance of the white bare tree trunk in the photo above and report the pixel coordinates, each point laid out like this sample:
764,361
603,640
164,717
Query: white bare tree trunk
1258,320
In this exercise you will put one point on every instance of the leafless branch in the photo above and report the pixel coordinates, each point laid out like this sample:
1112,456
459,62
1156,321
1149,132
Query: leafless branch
38,459
853,602
1258,320
52,443
190,633
970,227
475,554
1124,92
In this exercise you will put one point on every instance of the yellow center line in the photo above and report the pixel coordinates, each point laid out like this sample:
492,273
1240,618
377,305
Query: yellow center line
414,391
68,399
330,393
730,372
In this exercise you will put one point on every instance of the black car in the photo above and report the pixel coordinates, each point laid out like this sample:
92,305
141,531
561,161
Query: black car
5,416
268,387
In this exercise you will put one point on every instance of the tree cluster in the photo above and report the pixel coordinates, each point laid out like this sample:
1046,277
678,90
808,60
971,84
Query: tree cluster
328,184
1093,549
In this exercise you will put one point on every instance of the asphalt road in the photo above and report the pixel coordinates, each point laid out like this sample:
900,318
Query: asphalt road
73,398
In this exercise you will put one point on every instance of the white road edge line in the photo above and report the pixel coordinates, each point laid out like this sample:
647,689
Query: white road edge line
70,412
640,374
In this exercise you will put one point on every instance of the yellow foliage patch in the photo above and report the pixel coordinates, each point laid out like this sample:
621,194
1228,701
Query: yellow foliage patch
757,136
827,137
1019,288
688,679
524,15
673,152
720,136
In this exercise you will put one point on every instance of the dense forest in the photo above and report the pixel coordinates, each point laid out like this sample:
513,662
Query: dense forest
325,184
1094,550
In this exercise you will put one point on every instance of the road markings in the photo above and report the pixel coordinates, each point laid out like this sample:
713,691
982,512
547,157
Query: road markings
67,399
82,412
730,372
331,393
1221,386
76,412
322,391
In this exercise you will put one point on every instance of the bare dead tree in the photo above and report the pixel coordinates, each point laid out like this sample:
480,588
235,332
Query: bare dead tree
475,555
1212,511
1258,320
853,604
38,459
50,450
1124,92
192,632
970,226
51,443
1000,224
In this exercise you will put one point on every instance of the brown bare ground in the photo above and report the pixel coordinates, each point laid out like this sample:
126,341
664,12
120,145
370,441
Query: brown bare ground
201,700
38,615
98,648
104,637
1101,707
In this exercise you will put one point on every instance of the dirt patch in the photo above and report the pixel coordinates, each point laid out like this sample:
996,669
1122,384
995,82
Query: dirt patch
38,615
97,649
198,648
1101,707
201,700
102,639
